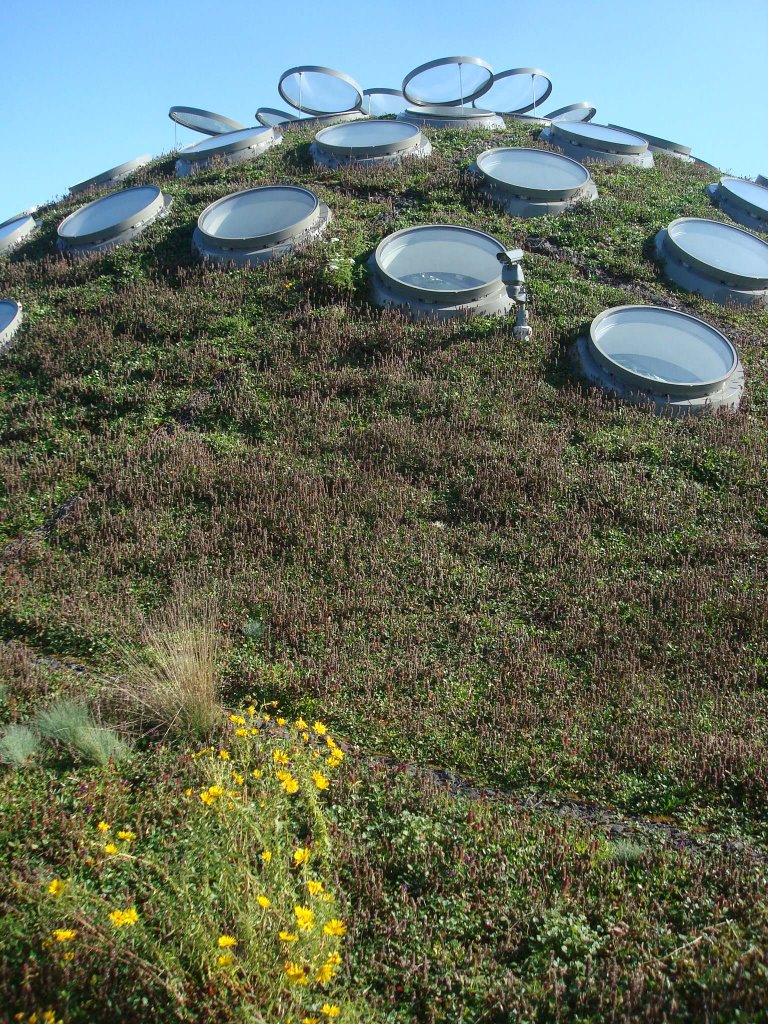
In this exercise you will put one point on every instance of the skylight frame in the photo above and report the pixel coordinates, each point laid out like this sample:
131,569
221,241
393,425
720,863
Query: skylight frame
528,200
318,69
11,328
587,108
117,233
114,174
27,225
656,143
176,113
737,207
230,151
564,136
536,101
419,101
332,154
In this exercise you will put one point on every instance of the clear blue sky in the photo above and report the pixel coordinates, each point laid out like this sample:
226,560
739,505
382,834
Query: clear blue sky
87,84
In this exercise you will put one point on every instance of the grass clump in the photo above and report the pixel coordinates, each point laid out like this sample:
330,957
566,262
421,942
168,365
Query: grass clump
70,725
61,722
18,745
173,683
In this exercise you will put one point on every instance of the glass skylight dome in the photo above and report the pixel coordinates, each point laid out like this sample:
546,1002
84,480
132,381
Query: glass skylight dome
272,117
518,91
379,102
533,182
658,145
442,270
10,321
112,220
232,148
14,231
205,121
118,173
721,262
573,112
744,201
369,142
259,224
584,141
452,117
649,354
318,90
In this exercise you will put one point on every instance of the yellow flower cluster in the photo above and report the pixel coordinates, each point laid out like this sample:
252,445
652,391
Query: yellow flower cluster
124,918
49,1017
56,888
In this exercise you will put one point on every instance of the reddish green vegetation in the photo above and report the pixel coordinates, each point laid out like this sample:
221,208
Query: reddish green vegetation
436,538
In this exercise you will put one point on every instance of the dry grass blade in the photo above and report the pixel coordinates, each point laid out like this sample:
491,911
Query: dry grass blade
173,683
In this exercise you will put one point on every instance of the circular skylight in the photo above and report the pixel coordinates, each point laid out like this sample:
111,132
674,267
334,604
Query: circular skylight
318,90
10,321
259,223
112,219
598,142
113,174
534,173
719,253
518,90
271,117
533,182
655,142
205,121
369,140
380,102
234,147
14,231
761,179
452,117
672,361
573,112
448,82
744,201
441,269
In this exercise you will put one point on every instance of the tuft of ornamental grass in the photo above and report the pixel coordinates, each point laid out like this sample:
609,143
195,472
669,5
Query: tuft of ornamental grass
70,724
173,683
60,722
18,744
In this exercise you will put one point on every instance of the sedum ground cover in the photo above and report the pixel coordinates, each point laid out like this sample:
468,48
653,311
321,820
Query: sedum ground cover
534,620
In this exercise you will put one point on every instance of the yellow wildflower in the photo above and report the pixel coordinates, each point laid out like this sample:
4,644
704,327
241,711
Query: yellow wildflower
320,780
267,718
320,729
227,940
325,974
301,725
237,719
64,934
123,918
335,927
296,973
281,721
334,959
314,887
288,782
333,762
287,937
224,755
206,797
310,1020
127,835
110,848
254,731
251,710
103,826
280,757
330,1011
56,888
264,901
239,779
257,773
305,918
216,791
302,856
305,737
241,732
266,856
225,959
330,742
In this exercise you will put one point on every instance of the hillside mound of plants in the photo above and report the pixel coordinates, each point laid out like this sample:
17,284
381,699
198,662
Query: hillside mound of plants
362,669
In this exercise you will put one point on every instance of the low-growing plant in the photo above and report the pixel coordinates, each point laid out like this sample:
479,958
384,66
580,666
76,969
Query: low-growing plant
18,744
97,744
62,721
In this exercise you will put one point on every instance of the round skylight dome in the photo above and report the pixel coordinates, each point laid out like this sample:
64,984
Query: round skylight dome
452,117
441,270
379,102
369,142
10,320
533,182
721,262
518,91
259,224
573,112
205,121
271,117
584,141
318,90
232,148
14,231
658,145
744,201
112,220
671,359
113,174
448,82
